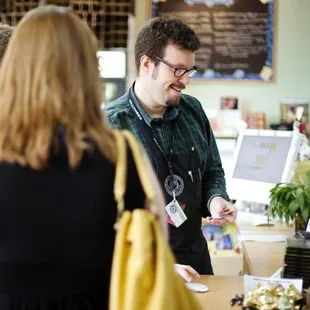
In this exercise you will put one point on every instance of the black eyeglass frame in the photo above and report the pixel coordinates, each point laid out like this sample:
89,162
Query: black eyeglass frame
191,72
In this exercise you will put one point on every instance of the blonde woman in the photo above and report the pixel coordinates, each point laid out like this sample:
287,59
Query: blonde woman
57,208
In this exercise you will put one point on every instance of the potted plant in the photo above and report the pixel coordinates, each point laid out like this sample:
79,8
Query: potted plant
291,202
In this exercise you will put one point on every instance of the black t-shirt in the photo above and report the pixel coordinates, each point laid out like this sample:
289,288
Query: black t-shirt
57,235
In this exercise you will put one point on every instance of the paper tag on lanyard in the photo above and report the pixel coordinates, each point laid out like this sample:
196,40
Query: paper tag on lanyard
176,212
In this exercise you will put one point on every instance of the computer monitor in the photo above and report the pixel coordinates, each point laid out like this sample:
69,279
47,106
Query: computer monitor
262,158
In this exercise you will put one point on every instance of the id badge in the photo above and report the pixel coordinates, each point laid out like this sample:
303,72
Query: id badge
176,213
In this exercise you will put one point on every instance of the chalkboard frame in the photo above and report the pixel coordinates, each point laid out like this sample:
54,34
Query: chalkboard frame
271,48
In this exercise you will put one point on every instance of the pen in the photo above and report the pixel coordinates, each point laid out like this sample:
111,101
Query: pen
191,175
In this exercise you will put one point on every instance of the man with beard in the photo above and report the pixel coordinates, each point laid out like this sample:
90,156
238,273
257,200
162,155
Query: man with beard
178,138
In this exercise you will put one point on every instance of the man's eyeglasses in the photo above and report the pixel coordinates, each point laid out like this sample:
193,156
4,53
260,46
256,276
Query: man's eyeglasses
178,72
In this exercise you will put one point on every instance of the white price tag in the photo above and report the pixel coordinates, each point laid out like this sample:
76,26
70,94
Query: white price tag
176,213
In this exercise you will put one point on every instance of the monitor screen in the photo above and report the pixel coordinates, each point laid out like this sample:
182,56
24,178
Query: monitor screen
262,158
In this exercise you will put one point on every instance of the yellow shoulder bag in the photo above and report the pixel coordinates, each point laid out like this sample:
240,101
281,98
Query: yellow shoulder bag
143,275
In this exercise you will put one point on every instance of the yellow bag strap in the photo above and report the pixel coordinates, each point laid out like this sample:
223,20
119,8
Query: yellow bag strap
141,169
121,170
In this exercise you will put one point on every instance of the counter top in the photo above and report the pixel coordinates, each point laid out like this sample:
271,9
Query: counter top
221,290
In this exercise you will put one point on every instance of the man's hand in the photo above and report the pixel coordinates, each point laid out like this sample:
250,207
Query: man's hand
186,272
222,212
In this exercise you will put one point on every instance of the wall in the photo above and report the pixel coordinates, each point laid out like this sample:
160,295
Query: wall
292,62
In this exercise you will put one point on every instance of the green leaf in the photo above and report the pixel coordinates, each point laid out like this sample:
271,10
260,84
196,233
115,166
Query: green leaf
282,196
305,214
280,212
307,191
273,189
292,208
301,200
288,195
287,217
308,177
278,188
271,211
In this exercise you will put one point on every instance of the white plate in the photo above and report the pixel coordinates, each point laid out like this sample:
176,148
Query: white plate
197,287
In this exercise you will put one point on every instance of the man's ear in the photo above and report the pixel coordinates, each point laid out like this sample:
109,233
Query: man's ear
146,64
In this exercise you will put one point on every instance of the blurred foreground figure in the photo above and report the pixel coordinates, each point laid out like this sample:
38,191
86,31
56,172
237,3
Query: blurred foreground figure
57,208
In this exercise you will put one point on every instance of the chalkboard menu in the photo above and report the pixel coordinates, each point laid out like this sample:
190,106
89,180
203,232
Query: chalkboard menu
237,36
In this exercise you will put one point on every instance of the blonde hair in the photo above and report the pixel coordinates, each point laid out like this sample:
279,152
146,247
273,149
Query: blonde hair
49,78
5,34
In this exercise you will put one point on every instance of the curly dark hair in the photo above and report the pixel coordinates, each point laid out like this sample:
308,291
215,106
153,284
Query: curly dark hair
158,32
5,35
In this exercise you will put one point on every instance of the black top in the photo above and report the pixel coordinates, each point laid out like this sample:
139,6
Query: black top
56,233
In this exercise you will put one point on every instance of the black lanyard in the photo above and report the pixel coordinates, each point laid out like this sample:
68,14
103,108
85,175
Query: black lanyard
150,135
167,157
